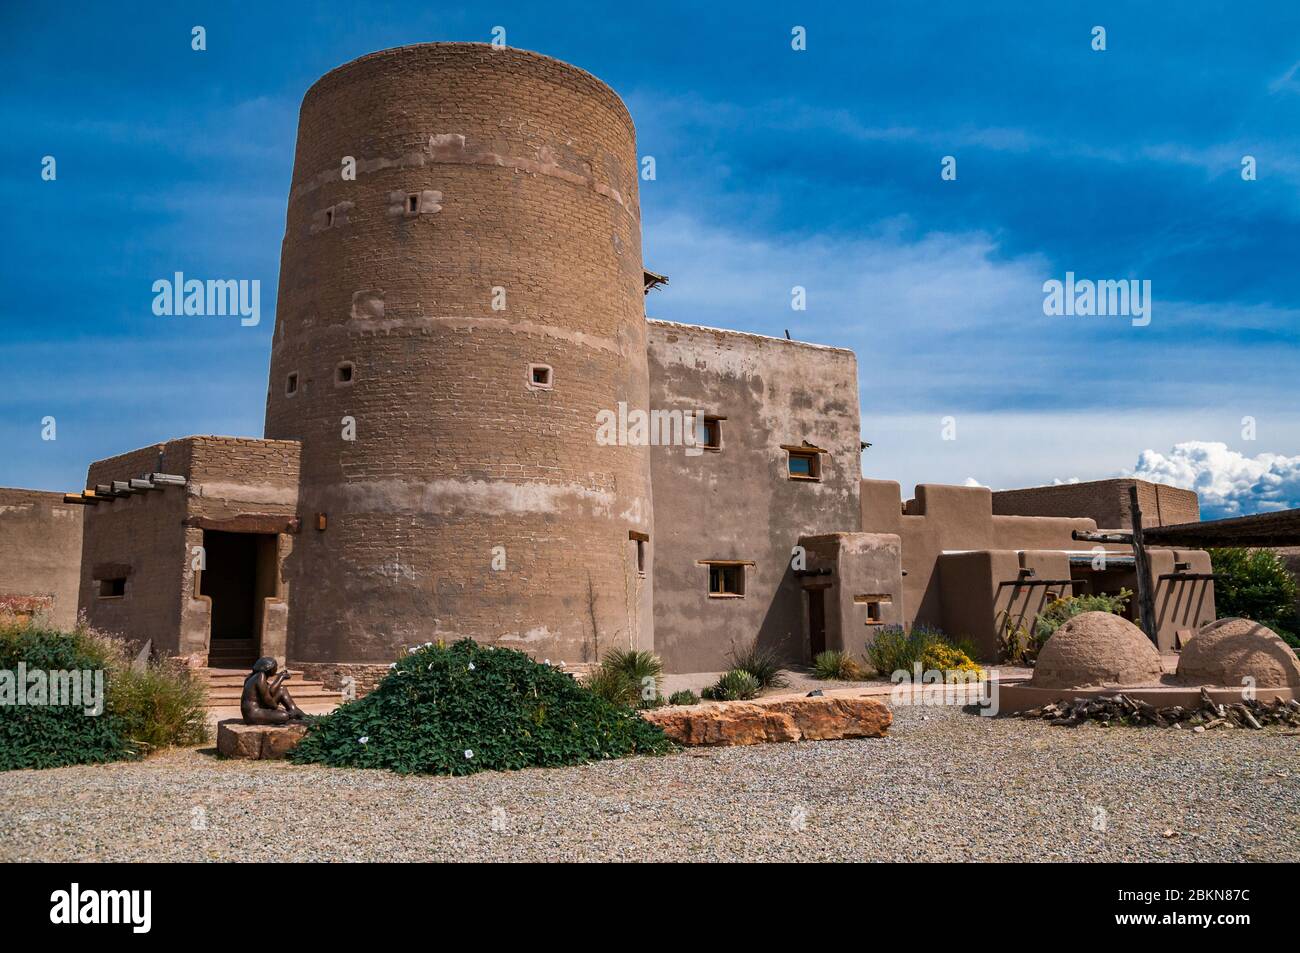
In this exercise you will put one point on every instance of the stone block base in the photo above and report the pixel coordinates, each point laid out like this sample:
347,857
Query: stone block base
781,718
257,742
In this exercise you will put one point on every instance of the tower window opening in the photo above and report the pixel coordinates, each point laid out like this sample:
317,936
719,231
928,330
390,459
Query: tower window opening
291,384
413,203
343,373
540,377
329,216
112,588
713,433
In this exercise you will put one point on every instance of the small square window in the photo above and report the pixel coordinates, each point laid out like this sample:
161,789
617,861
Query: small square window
291,384
112,588
726,581
540,377
804,466
343,373
875,612
712,433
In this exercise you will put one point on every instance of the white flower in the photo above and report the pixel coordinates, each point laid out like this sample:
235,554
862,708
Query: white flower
393,666
468,753
548,661
471,666
412,650
364,739
428,645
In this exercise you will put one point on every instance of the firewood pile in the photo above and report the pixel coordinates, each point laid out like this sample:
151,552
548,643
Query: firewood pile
1120,709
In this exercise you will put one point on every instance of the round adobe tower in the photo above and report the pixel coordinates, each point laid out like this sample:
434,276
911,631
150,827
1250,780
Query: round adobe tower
470,300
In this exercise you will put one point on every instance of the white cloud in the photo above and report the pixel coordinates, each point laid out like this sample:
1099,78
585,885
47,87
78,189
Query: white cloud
1229,482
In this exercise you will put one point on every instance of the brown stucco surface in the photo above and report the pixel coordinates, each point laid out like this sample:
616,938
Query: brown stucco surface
1097,648
40,552
739,503
150,537
1229,650
1106,502
527,177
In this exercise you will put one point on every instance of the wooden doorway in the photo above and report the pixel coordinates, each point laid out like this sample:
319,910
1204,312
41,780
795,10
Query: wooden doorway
816,622
239,575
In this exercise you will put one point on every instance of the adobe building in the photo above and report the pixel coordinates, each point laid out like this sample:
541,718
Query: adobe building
456,324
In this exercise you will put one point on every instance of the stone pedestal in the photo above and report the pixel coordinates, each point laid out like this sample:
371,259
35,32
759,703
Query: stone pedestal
257,742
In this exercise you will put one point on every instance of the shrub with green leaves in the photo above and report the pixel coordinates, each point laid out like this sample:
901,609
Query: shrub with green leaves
735,685
1056,613
834,665
1256,584
466,707
893,648
628,677
763,664
159,706
684,697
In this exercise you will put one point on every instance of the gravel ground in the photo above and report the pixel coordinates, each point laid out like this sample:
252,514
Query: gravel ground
946,785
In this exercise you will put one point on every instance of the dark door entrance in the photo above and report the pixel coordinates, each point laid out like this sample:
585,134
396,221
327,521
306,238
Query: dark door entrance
817,621
239,574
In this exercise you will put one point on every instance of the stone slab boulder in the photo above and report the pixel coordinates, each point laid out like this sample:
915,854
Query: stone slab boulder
257,742
773,719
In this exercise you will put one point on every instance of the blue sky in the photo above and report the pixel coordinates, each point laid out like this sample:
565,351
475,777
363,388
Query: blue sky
775,168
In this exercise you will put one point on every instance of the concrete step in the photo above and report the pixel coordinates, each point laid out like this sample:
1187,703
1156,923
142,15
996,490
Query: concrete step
226,687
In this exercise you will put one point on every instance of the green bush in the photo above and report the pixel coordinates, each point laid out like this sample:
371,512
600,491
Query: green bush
158,707
1256,584
1059,611
735,685
893,648
684,697
834,665
465,708
628,677
763,664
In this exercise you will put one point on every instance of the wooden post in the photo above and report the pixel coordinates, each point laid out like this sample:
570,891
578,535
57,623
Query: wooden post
1145,597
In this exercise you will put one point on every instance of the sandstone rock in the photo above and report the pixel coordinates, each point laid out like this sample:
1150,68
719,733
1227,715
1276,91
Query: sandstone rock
768,720
257,742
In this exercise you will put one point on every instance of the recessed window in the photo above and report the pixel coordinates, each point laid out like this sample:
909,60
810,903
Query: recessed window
540,377
413,203
329,216
804,465
726,580
112,588
291,384
713,433
640,556
874,604
343,373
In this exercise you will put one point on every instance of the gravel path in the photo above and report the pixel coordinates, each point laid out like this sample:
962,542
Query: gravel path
946,785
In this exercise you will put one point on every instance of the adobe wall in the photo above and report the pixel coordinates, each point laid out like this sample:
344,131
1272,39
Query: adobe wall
739,503
961,561
472,502
1106,502
152,538
861,565
40,554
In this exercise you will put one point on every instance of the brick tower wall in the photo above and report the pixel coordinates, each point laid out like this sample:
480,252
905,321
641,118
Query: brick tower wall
476,169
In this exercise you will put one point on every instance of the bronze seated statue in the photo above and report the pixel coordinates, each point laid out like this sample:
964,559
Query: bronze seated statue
265,700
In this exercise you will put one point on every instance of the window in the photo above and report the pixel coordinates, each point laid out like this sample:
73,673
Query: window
329,216
291,384
343,374
540,377
726,580
713,433
805,466
641,540
412,203
112,588
873,603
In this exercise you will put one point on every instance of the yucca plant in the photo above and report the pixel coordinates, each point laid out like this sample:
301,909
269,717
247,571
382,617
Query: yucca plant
735,685
834,665
763,664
